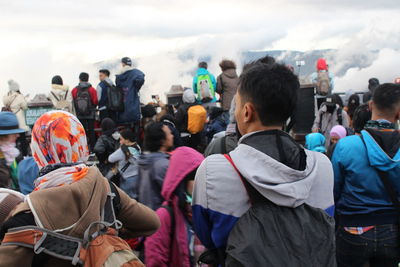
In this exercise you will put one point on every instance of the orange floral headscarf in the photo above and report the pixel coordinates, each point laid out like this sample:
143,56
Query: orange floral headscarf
58,137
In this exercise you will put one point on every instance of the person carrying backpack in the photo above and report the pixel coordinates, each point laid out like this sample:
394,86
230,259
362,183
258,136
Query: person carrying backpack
85,102
204,86
127,157
175,243
266,203
60,95
190,119
329,115
74,214
322,79
110,97
367,187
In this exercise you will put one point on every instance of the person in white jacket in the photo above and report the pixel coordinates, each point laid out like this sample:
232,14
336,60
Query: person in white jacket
15,102
60,95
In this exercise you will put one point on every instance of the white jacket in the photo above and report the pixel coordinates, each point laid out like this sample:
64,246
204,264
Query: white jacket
18,105
60,91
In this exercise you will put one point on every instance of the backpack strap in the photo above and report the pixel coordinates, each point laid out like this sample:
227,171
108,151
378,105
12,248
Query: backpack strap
339,112
223,145
172,217
254,195
66,94
41,240
55,96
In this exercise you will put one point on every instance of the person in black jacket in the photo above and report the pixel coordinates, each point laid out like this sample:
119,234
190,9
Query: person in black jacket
107,143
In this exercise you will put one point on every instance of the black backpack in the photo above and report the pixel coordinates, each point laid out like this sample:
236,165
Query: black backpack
83,102
115,97
272,235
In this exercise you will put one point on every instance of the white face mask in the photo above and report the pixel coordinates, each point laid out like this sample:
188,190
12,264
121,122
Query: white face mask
116,135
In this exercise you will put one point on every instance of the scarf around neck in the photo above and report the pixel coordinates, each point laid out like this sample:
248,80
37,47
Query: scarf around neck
10,152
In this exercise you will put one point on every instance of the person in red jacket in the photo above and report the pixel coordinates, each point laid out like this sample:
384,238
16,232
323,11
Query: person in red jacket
85,102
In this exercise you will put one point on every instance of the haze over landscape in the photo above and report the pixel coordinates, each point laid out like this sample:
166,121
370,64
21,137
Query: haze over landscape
360,39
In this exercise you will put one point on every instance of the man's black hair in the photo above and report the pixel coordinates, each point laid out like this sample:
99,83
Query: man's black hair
387,97
105,71
266,60
272,88
203,65
361,116
84,77
154,136
128,134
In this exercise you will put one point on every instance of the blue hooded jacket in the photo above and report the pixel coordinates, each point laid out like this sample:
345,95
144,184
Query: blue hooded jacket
203,71
360,196
130,81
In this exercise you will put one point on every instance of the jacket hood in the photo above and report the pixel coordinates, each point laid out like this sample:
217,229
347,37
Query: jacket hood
202,71
183,161
109,81
383,148
125,69
188,96
84,85
274,180
148,159
60,87
230,73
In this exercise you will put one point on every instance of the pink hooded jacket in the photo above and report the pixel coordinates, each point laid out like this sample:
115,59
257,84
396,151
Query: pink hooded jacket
160,250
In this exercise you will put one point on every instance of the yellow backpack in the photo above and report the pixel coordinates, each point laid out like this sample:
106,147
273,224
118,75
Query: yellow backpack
197,117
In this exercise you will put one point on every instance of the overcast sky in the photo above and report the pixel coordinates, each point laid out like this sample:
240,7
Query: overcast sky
47,37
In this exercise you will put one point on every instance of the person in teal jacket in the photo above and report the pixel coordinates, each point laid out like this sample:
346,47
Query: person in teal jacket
366,217
203,75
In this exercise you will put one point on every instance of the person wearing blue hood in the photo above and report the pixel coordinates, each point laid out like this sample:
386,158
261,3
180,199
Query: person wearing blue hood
131,81
204,86
315,142
367,186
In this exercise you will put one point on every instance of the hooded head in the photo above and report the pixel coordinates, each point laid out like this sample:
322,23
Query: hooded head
184,161
108,126
315,142
13,86
188,96
321,65
338,132
58,137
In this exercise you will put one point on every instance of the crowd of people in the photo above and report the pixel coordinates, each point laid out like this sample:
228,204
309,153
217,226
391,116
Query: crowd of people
214,180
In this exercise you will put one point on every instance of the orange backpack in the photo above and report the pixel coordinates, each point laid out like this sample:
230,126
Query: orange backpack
100,247
197,117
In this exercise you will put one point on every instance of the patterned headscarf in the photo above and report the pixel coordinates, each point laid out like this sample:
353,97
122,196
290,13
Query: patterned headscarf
59,137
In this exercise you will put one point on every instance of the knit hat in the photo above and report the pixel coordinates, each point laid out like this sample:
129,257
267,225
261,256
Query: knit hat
9,199
108,126
188,96
57,80
338,131
13,86
321,64
127,61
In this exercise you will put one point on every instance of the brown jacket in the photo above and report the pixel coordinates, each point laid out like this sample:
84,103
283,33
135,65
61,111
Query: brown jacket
227,83
77,205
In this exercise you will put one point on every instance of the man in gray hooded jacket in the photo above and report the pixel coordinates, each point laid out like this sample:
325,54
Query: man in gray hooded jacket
267,158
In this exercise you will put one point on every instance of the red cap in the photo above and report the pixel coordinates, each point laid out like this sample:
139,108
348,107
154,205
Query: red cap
321,64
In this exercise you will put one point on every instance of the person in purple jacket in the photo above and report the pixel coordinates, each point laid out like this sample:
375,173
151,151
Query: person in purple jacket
175,243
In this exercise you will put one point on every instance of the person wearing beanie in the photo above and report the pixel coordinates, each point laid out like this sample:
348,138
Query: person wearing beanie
181,119
107,143
15,102
85,103
322,68
127,157
131,81
60,95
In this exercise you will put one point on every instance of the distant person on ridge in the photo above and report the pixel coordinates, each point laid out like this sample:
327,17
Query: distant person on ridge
204,86
373,83
60,95
131,81
323,81
227,83
85,101
102,95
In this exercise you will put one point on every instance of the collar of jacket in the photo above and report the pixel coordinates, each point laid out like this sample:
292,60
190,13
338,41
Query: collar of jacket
60,87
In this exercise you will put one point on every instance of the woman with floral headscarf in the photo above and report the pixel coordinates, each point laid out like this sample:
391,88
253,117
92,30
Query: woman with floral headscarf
69,195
